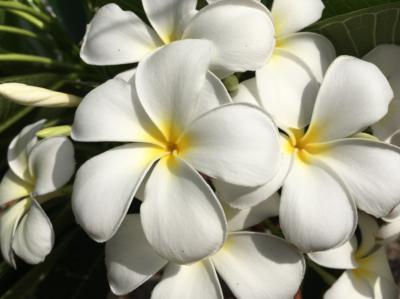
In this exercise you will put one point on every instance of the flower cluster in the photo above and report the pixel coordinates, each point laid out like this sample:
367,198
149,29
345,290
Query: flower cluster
208,165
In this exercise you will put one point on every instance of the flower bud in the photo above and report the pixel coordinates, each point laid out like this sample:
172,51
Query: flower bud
54,131
37,96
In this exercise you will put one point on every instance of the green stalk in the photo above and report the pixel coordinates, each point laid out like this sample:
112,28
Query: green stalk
328,278
15,118
19,31
16,57
8,5
29,18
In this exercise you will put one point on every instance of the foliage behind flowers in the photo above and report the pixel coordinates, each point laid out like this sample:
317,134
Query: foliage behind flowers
199,129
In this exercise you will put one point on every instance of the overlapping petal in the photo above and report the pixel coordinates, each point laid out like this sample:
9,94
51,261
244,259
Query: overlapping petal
350,286
316,212
130,259
169,87
194,281
369,169
115,36
235,143
51,164
106,184
237,46
34,237
292,16
346,104
12,187
254,265
181,217
167,16
113,112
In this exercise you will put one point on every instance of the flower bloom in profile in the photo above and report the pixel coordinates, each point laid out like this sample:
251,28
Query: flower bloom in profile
387,58
37,96
37,168
367,274
176,128
115,36
331,169
253,265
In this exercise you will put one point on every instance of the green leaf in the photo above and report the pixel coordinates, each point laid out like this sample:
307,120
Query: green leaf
339,7
358,32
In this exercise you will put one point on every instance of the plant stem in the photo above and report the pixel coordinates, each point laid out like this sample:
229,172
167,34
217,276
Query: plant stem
16,117
9,5
19,31
29,18
328,278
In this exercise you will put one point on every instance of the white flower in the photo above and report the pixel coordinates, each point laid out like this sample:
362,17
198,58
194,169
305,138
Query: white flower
37,96
253,265
37,168
387,58
330,169
115,36
171,116
368,273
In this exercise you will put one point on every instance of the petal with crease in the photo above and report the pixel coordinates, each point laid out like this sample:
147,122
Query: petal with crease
130,259
9,220
181,217
12,187
237,46
113,112
236,143
254,265
51,164
169,87
34,237
167,16
351,286
316,213
292,16
106,184
115,36
369,169
342,257
346,103
248,217
19,148
194,281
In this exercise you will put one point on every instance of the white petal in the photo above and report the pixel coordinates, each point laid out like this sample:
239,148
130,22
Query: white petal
254,265
12,187
130,259
235,143
244,197
169,87
127,75
389,231
115,36
195,281
182,218
310,221
385,289
19,148
369,169
24,94
238,47
51,164
167,16
105,186
112,112
34,237
247,93
342,257
9,220
292,16
353,95
212,94
389,125
350,286
245,218
369,228
386,57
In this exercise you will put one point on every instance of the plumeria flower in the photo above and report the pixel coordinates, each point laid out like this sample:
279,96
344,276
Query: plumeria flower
390,230
115,36
37,168
290,80
387,58
176,128
24,94
367,272
253,265
331,169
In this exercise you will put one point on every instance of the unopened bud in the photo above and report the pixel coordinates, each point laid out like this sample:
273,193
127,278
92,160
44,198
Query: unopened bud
54,131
